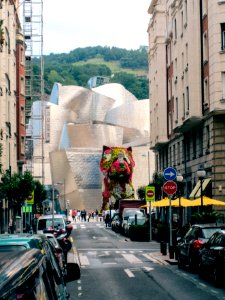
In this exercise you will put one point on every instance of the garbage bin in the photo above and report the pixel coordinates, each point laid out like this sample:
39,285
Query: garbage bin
163,248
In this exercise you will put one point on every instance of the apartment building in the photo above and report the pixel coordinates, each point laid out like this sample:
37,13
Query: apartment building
8,87
11,94
187,91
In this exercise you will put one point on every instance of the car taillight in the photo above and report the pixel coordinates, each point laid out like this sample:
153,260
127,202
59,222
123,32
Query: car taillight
198,244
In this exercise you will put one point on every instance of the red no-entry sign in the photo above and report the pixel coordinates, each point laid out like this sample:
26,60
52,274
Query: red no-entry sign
170,187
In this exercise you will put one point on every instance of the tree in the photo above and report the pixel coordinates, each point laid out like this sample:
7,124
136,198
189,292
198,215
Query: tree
40,194
141,192
16,188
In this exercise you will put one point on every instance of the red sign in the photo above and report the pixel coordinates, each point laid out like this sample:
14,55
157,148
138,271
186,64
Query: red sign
170,187
150,193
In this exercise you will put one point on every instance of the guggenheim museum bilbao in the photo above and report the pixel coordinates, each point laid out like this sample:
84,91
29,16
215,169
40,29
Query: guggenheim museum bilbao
78,122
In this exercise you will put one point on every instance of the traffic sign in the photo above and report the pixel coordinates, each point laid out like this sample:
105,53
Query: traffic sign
150,193
170,187
170,173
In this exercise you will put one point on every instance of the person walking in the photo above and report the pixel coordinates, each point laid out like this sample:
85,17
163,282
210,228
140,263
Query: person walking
107,220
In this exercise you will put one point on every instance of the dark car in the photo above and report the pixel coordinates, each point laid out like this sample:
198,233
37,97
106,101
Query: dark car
17,242
30,274
116,222
212,258
189,246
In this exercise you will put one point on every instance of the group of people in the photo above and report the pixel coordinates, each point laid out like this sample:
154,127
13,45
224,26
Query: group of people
83,215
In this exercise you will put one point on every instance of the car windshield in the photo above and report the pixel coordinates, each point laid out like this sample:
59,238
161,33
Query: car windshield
47,223
11,248
139,220
208,232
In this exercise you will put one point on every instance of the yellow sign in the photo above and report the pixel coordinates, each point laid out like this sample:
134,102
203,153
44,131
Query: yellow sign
150,193
30,199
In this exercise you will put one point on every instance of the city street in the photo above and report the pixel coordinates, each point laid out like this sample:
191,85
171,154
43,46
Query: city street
113,267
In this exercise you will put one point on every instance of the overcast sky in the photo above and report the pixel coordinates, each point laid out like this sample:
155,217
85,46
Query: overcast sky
69,24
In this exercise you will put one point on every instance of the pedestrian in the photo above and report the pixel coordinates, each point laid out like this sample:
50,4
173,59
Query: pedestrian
11,225
34,224
74,215
107,220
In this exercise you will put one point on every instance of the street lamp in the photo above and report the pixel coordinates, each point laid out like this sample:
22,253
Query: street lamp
201,175
180,179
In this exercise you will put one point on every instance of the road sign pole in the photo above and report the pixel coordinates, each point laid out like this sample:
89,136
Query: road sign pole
150,223
170,222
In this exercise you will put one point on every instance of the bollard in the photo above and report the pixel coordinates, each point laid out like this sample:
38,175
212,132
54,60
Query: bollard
163,246
171,252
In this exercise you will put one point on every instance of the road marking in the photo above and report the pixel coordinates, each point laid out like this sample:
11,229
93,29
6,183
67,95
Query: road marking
129,273
84,260
132,259
148,269
110,263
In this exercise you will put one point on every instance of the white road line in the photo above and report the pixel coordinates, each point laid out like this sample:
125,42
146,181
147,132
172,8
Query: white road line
110,263
132,259
148,269
129,273
84,260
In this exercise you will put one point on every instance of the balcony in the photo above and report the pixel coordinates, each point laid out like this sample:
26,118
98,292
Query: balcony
188,124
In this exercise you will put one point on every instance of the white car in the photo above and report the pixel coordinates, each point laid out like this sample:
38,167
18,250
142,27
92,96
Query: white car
46,222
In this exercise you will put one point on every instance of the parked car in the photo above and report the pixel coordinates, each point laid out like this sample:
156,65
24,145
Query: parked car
116,222
30,274
132,220
18,242
189,246
60,255
46,222
211,258
130,212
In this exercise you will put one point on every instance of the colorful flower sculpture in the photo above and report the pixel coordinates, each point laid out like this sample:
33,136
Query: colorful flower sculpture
117,167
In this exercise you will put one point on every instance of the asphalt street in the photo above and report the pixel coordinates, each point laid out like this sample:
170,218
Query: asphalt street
113,267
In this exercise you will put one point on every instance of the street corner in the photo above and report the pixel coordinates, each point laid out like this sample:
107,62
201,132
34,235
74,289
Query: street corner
158,257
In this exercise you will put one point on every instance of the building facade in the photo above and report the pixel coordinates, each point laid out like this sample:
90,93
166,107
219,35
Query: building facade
187,91
9,97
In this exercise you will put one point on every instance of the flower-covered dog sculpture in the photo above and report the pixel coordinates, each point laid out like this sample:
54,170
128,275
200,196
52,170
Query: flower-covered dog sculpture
117,167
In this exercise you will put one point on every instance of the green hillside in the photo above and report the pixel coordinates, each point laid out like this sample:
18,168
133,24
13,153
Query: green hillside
128,67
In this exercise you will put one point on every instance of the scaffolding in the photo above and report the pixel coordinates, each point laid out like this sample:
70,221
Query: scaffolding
32,14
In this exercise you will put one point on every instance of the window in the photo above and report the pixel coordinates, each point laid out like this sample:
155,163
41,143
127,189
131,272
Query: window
187,98
223,85
178,153
223,36
207,137
206,92
205,47
183,105
185,13
194,144
176,108
182,23
22,115
204,8
175,29
200,142
174,155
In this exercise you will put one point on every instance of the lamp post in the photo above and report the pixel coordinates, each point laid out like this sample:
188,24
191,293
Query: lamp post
180,179
201,175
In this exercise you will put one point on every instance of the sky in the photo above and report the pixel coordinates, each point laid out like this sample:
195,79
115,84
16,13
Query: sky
70,24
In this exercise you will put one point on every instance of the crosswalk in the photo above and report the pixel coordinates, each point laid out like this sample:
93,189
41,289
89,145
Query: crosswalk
114,257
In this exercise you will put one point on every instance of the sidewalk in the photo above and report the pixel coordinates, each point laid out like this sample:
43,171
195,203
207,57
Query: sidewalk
164,259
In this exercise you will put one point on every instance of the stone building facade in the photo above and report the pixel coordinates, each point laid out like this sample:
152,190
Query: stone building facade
187,84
